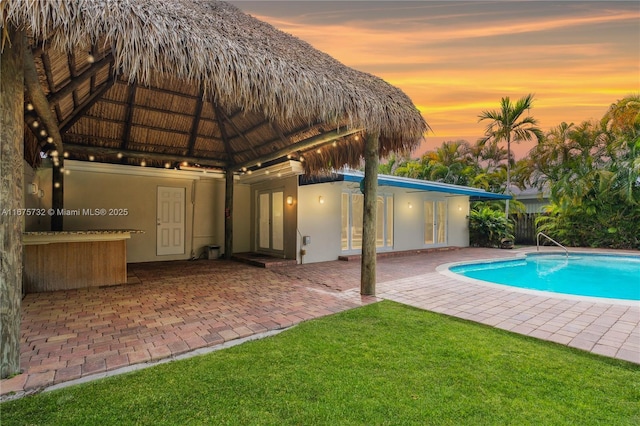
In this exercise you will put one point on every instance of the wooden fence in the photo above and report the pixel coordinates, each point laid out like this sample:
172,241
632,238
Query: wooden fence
525,228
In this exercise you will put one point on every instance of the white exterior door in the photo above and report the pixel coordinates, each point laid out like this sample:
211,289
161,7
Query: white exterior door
435,223
271,221
171,221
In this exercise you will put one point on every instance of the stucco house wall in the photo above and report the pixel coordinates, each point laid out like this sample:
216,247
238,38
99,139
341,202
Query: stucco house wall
323,222
97,186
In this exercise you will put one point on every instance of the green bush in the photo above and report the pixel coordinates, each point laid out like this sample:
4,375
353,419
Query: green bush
488,227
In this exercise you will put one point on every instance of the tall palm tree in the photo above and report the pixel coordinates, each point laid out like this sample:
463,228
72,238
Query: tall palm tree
507,124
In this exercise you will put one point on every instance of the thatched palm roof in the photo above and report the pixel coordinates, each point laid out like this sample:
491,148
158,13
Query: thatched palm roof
200,82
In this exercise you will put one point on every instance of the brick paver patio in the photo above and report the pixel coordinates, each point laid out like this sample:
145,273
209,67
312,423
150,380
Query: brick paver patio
173,308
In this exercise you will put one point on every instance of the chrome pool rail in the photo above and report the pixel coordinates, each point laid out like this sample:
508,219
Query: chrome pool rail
550,239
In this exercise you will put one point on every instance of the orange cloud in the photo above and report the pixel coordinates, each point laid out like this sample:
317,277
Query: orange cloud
456,59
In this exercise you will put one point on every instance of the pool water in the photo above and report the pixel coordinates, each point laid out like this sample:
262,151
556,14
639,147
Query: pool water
616,277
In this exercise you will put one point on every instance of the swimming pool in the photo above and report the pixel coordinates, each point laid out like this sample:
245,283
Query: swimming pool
595,275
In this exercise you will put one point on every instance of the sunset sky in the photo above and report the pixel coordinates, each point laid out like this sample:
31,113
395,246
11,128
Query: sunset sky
456,59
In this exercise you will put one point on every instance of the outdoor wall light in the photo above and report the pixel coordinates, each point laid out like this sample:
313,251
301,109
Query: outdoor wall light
289,200
410,205
32,188
321,199
459,208
40,193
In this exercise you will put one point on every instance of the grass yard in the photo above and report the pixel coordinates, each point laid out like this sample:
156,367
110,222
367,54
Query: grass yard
381,364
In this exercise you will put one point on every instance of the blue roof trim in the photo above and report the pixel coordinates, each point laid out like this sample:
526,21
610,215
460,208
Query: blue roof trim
426,185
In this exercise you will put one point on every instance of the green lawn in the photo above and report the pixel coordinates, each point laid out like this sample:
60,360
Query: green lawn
381,364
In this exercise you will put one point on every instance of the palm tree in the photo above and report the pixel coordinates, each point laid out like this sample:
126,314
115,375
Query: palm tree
507,125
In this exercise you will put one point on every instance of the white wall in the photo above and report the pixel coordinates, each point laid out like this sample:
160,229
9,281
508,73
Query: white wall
322,222
458,219
95,186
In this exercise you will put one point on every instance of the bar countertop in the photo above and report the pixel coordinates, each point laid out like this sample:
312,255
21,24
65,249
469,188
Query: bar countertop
49,237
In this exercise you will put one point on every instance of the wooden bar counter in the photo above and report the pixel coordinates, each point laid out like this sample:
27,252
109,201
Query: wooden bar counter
74,259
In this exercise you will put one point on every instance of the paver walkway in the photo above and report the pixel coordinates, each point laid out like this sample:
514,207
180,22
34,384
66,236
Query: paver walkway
176,307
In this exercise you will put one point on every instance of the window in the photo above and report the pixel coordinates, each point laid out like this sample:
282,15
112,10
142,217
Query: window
352,217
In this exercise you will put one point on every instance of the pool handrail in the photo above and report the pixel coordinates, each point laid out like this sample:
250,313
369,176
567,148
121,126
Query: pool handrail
550,239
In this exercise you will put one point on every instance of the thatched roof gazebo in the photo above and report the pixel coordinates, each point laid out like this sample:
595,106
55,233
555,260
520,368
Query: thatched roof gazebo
194,82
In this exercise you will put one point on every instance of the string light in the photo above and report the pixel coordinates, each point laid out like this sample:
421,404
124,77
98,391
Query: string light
29,107
119,155
65,154
143,163
35,124
91,158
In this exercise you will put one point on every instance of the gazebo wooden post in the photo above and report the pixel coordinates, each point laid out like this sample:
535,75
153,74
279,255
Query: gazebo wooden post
11,200
368,265
228,214
57,194
41,105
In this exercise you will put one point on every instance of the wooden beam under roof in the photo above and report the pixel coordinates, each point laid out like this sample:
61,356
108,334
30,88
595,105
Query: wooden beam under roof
196,123
300,146
126,133
143,155
76,82
79,112
223,134
238,131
